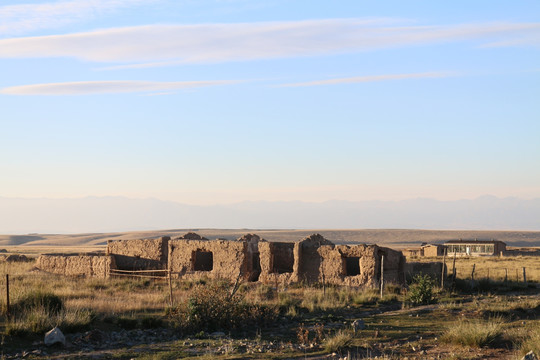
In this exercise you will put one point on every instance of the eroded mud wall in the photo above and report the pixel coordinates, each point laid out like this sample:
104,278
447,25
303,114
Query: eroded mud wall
278,262
143,254
229,259
433,269
77,265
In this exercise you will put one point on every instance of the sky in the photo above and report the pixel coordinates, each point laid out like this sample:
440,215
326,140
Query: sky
223,101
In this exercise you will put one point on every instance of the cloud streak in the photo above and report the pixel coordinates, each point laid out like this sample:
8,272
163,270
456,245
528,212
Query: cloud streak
370,78
108,87
215,43
24,18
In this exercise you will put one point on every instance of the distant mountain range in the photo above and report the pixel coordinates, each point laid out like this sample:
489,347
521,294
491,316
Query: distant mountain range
108,214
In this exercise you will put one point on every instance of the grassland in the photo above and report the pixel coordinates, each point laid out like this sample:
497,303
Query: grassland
394,237
124,318
491,268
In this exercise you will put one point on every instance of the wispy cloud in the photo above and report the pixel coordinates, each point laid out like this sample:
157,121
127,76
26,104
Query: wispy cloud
24,18
371,78
211,43
108,87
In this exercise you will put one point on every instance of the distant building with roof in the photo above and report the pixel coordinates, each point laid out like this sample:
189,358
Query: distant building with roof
475,247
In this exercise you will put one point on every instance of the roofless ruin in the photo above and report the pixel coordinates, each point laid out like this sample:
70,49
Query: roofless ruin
250,258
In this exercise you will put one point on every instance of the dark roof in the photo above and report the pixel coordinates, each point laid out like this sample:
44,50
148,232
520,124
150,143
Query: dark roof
473,241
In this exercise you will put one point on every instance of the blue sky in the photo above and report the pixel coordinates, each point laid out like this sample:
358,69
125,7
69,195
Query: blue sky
207,102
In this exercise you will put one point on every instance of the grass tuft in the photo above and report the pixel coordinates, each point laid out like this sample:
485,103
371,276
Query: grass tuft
474,333
339,341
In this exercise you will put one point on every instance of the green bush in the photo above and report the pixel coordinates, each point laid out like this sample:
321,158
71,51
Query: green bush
421,290
212,307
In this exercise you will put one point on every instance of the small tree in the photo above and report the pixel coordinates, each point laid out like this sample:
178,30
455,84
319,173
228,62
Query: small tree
421,290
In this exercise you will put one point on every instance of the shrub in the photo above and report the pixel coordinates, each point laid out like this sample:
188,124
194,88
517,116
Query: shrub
212,307
49,302
39,320
338,341
421,290
475,333
265,292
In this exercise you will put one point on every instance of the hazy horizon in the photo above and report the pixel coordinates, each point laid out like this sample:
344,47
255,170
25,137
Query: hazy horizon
112,214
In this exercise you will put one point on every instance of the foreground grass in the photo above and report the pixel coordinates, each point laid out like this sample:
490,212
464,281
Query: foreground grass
324,314
475,333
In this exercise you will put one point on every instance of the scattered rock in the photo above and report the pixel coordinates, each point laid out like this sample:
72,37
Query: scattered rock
94,336
54,336
530,356
358,324
217,334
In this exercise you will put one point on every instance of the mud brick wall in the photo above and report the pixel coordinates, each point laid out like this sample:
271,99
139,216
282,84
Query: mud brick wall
433,269
77,265
143,254
229,258
310,259
337,263
273,271
394,265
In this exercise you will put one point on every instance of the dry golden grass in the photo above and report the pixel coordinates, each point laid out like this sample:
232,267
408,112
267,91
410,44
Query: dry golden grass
492,267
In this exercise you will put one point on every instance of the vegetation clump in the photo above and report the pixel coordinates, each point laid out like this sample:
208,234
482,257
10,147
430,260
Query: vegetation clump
474,333
38,312
421,290
215,306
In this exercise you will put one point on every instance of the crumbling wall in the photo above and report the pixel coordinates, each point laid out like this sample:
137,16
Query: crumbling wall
311,260
413,252
394,265
433,269
97,265
353,265
229,258
309,269
253,255
278,262
143,254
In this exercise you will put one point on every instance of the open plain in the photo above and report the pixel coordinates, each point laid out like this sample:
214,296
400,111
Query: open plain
125,317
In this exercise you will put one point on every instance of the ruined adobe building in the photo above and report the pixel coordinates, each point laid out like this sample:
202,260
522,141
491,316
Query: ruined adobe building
250,258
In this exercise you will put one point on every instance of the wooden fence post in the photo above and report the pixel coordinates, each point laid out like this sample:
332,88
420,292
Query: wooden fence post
472,273
8,312
454,269
443,268
505,275
488,275
382,275
170,288
524,276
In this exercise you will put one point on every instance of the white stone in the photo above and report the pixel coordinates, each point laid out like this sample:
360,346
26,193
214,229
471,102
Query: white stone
54,336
